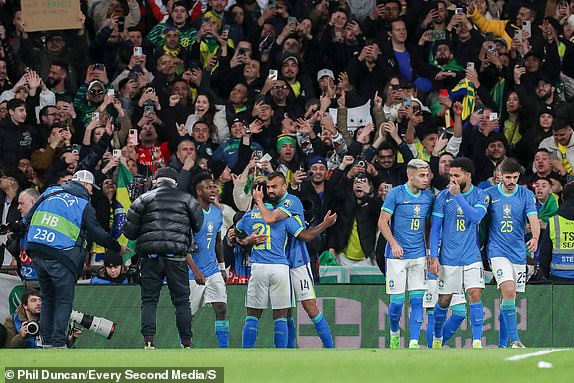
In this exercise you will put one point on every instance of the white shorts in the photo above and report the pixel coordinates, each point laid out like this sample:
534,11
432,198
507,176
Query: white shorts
213,291
504,270
302,283
431,296
405,274
269,286
458,279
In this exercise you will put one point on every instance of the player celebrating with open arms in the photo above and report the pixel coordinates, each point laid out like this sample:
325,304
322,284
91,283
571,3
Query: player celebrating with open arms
408,208
510,205
456,215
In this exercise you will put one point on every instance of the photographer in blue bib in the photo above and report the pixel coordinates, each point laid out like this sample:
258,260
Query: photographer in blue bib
60,222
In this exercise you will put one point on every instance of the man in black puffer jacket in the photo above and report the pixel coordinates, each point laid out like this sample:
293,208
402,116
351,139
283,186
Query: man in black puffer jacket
163,221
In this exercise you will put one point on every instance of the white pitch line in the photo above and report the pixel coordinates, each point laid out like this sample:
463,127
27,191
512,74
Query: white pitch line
537,353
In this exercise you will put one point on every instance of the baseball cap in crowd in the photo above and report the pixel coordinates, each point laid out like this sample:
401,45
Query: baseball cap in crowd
439,43
55,35
14,173
289,56
166,172
85,176
428,126
94,83
547,109
535,53
325,72
502,41
216,167
316,160
112,259
543,76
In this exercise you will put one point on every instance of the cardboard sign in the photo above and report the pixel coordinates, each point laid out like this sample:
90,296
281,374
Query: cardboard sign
49,15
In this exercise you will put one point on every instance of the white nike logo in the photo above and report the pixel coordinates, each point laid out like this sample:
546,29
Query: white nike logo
495,200
448,200
407,201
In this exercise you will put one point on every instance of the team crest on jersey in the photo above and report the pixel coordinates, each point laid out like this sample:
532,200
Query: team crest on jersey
287,204
507,209
210,227
486,200
440,283
499,272
459,210
417,210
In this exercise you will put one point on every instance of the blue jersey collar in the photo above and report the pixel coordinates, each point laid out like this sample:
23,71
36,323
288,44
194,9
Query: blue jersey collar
410,192
506,194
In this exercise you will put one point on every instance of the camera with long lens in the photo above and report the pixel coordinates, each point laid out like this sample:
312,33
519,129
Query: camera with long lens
32,328
101,326
16,227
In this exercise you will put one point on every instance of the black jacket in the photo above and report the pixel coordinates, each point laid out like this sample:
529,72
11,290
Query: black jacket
16,142
366,212
162,221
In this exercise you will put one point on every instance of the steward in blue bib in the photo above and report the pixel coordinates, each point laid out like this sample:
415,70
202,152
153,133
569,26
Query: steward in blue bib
61,221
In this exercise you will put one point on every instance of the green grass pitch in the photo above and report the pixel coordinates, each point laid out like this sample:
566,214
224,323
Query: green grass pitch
318,366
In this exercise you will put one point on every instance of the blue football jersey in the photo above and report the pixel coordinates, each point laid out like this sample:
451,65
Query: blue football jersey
409,214
507,222
205,258
271,251
297,252
459,236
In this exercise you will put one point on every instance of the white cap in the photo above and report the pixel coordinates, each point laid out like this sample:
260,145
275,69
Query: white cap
85,176
325,72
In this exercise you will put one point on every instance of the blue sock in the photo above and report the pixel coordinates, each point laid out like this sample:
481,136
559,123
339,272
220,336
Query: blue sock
280,333
430,327
250,332
291,332
395,311
439,319
476,320
453,323
323,330
503,338
417,314
222,333
508,310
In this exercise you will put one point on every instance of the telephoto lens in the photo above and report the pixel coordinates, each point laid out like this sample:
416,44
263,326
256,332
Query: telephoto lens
98,325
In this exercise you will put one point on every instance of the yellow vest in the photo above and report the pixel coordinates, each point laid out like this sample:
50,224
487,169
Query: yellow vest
562,235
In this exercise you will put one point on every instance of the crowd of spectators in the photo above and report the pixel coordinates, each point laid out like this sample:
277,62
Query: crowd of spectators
337,95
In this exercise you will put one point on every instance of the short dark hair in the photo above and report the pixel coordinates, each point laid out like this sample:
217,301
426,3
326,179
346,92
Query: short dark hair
510,165
203,176
387,146
15,103
61,64
29,293
560,123
542,150
463,163
276,174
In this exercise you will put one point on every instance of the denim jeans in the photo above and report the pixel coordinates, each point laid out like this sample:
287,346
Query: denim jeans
57,285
